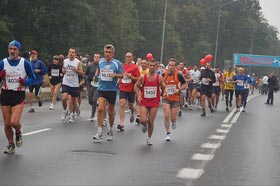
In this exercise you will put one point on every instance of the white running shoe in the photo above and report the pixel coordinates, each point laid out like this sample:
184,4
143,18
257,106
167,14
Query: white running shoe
173,125
98,136
72,118
149,141
167,138
110,135
105,123
65,114
51,107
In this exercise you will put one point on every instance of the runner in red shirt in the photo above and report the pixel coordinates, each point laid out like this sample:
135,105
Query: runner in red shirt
126,86
149,98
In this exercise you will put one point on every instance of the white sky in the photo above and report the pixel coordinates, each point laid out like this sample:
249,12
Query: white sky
271,11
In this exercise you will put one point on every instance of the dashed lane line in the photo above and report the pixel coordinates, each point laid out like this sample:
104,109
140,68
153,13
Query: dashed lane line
36,132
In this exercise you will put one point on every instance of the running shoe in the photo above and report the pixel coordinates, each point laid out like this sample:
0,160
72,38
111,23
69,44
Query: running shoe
149,141
10,149
137,120
72,118
78,111
19,139
144,128
167,138
227,109
203,114
105,123
110,135
98,136
180,113
40,103
31,110
230,104
237,109
243,110
190,107
120,127
91,118
51,107
173,125
65,114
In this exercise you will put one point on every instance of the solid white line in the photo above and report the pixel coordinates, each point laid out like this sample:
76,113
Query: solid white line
204,157
36,132
189,173
222,131
210,146
234,120
217,137
226,120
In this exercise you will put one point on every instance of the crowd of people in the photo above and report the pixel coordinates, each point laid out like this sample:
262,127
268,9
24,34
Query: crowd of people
140,85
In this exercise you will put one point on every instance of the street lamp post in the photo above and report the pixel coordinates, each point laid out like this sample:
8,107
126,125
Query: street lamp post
163,33
218,28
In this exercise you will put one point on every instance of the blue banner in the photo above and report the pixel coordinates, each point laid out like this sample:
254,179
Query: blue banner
256,60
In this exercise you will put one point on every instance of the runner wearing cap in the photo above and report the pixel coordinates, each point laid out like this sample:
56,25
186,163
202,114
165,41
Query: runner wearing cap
40,70
55,76
16,73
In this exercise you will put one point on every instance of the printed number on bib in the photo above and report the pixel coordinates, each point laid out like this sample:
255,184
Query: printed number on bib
105,75
55,72
150,92
240,82
205,81
171,89
126,80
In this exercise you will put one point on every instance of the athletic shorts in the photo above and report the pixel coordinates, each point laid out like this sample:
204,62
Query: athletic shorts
173,104
129,96
192,86
216,90
12,98
110,96
37,88
239,92
73,91
206,90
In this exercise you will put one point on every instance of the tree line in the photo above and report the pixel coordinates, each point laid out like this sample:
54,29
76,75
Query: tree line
52,27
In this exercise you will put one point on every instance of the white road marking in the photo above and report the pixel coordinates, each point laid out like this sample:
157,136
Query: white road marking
217,137
226,126
36,132
204,157
189,173
96,117
226,120
234,120
222,131
210,145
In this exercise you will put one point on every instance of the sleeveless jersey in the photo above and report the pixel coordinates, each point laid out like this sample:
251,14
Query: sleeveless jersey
150,93
71,77
172,83
13,73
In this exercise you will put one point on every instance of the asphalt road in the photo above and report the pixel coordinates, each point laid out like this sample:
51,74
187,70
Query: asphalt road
221,149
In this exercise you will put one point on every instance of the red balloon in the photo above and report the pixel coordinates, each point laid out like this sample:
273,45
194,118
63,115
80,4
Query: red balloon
208,58
149,56
202,62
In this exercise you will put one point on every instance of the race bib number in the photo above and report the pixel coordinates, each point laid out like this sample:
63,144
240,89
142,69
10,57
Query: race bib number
70,75
240,82
126,80
171,89
228,79
205,81
54,72
13,82
105,74
150,92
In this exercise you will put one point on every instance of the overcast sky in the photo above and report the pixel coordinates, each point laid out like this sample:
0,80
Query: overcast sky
271,11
